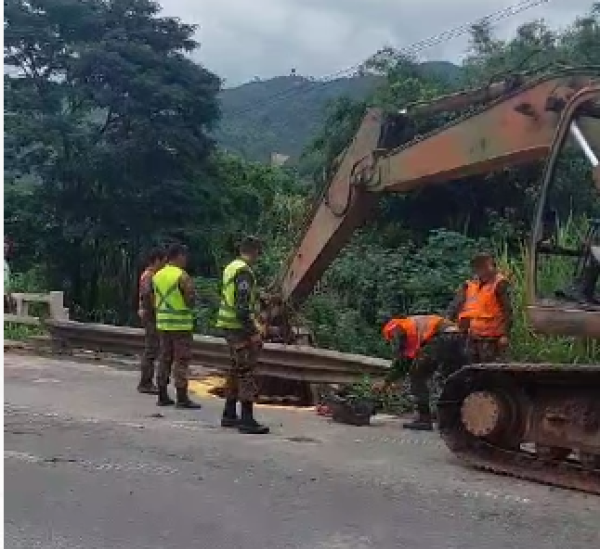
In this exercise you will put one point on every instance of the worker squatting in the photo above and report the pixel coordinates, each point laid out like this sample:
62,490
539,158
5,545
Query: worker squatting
475,329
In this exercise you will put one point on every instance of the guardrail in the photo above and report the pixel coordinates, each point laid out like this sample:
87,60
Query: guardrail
293,362
54,301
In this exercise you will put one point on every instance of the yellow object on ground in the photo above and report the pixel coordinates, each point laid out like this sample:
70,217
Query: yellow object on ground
203,388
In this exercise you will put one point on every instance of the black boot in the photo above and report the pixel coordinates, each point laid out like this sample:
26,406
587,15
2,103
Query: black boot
424,422
163,397
147,388
248,425
230,417
183,400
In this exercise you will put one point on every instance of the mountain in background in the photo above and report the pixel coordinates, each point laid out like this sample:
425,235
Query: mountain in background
282,114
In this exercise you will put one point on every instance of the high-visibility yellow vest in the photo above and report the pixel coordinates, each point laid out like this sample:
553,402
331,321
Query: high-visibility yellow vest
227,317
172,313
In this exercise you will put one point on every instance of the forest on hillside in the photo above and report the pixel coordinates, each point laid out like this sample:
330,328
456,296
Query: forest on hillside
108,151
283,114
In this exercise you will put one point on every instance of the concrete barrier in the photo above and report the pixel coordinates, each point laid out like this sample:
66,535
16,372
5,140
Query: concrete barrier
54,302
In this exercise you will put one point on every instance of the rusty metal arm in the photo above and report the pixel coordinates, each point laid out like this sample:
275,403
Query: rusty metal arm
342,208
516,127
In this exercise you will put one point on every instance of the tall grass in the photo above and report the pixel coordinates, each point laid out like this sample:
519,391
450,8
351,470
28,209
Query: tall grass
555,273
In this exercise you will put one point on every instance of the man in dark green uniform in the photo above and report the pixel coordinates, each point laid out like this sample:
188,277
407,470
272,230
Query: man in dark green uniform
237,319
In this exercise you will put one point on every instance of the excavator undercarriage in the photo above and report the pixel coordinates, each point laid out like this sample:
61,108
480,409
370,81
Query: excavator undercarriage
538,422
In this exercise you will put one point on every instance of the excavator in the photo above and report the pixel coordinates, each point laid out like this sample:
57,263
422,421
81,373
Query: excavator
539,422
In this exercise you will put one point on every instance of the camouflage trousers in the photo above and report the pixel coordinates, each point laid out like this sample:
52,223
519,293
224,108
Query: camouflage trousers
444,354
175,357
484,349
150,354
240,383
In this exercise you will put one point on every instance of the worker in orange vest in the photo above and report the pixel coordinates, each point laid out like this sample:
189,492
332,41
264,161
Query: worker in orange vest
483,310
428,343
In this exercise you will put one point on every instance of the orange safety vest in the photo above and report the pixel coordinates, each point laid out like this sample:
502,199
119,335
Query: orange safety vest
483,309
419,330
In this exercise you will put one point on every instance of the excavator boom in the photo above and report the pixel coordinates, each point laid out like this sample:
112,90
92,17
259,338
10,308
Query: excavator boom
508,124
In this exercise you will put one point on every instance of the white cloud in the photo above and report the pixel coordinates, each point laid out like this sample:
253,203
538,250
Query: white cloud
246,38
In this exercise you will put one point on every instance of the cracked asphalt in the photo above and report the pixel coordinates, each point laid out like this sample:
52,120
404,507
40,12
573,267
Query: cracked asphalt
90,464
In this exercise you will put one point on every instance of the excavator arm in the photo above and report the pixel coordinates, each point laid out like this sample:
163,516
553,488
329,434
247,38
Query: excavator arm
507,124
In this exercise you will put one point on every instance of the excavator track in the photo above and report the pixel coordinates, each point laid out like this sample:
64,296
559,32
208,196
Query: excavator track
538,423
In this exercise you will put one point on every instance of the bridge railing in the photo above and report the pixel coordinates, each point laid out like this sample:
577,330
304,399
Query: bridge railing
54,303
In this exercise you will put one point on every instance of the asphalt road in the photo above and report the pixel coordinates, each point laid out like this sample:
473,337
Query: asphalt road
89,465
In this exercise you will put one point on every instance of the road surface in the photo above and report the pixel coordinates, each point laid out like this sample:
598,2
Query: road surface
90,464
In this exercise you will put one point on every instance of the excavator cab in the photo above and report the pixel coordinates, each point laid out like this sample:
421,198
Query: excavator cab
572,310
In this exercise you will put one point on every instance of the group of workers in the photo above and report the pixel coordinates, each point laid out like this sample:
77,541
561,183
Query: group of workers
166,303
475,330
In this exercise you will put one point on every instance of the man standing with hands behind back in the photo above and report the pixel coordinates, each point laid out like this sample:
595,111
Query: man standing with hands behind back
238,321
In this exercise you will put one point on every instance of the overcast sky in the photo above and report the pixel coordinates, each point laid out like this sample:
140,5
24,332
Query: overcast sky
242,39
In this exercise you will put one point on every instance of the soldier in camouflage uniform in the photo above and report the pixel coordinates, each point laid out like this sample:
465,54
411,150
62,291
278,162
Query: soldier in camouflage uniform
424,345
483,309
174,299
237,319
154,262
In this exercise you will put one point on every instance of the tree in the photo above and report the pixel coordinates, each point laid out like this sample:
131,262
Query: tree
108,112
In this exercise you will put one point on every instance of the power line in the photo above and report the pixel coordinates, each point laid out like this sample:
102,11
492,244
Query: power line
413,49
409,50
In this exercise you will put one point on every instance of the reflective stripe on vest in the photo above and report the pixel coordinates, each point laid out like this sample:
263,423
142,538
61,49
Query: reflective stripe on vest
419,329
172,313
482,309
227,317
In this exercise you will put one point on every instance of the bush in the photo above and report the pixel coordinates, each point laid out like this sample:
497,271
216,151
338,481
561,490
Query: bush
355,297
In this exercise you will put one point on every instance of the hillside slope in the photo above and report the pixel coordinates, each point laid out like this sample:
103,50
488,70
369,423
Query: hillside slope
282,114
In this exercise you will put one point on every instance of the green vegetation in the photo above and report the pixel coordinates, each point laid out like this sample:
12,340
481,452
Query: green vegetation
108,151
19,332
